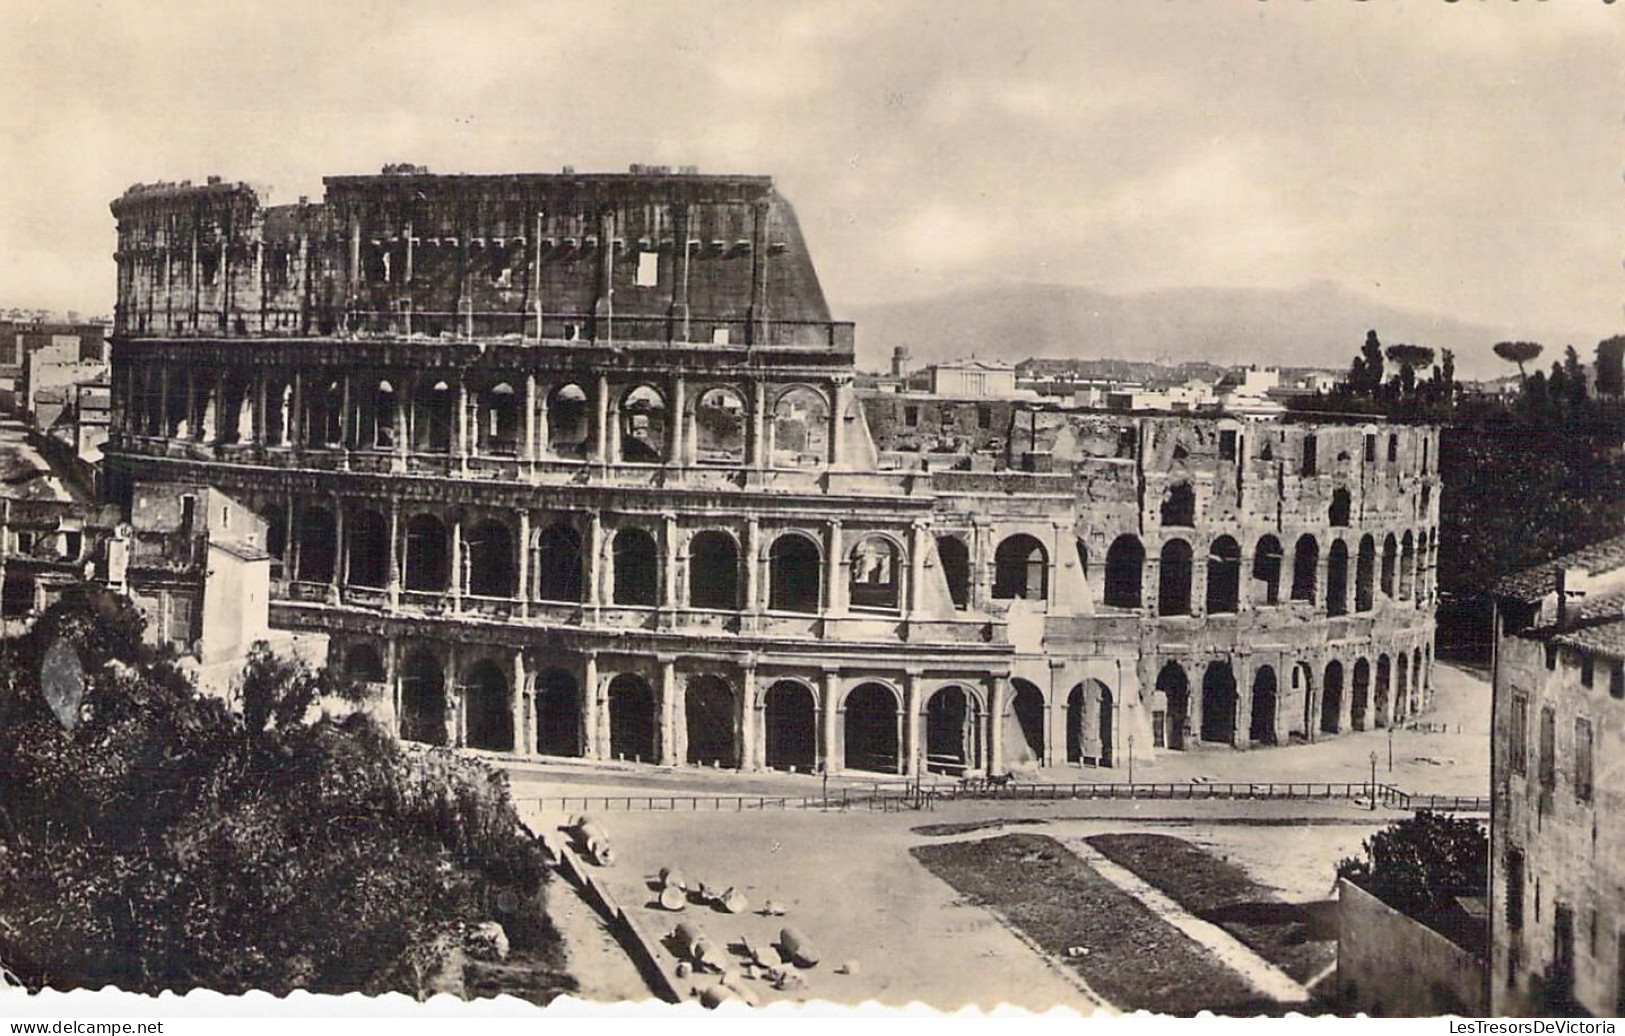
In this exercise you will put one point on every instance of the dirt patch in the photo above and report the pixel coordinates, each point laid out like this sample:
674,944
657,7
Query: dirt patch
1133,958
1298,938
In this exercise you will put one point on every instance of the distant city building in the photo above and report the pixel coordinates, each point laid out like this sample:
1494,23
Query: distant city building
973,379
21,340
1557,880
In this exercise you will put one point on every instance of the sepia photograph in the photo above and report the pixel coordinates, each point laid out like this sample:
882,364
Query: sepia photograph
788,505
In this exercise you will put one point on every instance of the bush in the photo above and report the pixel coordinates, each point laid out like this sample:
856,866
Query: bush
166,843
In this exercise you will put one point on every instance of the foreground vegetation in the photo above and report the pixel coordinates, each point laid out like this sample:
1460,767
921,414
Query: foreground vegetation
169,842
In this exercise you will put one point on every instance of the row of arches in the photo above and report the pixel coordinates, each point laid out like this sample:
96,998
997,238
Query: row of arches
1363,695
1399,574
1178,506
419,413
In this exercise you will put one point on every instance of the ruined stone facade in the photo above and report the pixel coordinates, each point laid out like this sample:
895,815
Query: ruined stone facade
574,465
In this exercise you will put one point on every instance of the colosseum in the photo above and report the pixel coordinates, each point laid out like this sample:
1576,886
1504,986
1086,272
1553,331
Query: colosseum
575,465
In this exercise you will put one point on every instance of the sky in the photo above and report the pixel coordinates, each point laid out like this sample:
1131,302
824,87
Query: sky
1458,158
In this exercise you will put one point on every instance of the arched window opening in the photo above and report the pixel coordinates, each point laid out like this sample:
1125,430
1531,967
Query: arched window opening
491,564
871,729
1331,698
433,409
643,426
316,545
1407,566
378,429
1083,558
1305,562
499,421
567,425
1179,506
1224,576
713,571
1125,562
791,720
1027,703
794,583
423,699
324,413
631,719
1266,703
1175,688
1020,569
1360,695
558,713
1174,579
708,717
1267,569
1337,579
486,707
955,558
800,428
719,427
1219,703
428,561
1390,563
876,574
953,733
1402,687
637,569
1338,514
1380,704
558,569
1364,574
1090,724
366,540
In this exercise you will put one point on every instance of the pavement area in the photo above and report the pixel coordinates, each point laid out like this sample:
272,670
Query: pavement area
848,882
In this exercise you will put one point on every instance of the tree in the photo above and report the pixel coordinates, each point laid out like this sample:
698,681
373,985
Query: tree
1370,367
1421,864
1519,353
1610,376
1574,377
1409,358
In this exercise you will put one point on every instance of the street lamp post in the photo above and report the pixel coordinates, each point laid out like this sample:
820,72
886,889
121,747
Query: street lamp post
1131,758
1390,748
1373,788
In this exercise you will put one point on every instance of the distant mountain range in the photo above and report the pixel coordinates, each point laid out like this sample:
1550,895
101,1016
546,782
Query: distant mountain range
1319,324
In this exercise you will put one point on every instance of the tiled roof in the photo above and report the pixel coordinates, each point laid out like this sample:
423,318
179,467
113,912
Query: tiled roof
1599,628
1532,584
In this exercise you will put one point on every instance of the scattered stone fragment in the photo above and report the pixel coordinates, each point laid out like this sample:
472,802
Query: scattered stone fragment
733,901
672,898
847,968
798,948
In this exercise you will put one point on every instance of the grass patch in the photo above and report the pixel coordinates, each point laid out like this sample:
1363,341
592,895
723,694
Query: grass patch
1300,939
1136,960
965,827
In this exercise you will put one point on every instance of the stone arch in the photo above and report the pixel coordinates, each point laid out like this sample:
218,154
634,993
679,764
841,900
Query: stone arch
423,698
1176,690
1364,574
434,405
558,571
875,573
1360,694
1380,701
1174,579
632,726
800,427
719,426
1020,569
366,546
1179,506
1390,564
1266,704
1303,690
376,428
491,568
872,710
1027,703
1219,701
1402,684
1331,698
1090,724
568,426
794,574
324,412
1407,565
1267,556
709,720
1224,576
498,420
317,545
1419,672
1337,579
1305,568
790,716
636,568
1125,565
953,730
643,425
558,712
955,559
713,571
427,564
1338,514
487,708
